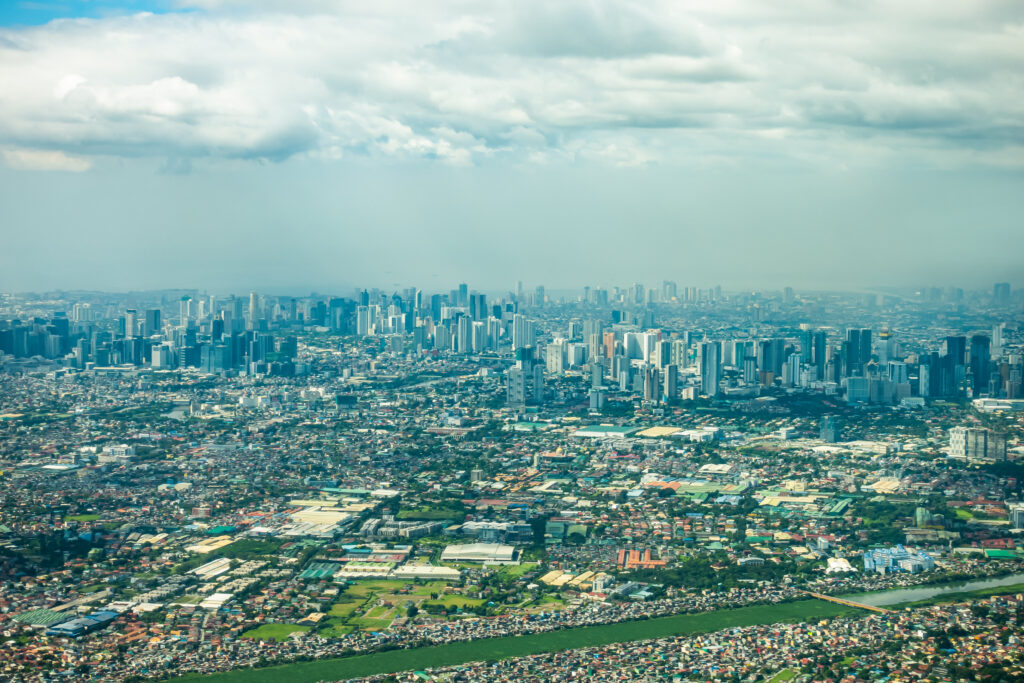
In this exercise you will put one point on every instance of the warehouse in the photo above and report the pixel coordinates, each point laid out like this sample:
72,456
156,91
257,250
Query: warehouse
488,553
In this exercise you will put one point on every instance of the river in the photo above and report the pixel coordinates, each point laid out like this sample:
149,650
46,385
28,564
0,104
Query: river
900,595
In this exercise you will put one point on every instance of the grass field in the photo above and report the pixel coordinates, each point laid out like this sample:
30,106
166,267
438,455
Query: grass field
454,601
431,514
362,589
274,631
782,676
81,518
343,609
511,572
503,648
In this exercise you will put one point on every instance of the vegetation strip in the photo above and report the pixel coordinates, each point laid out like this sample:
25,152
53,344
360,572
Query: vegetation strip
517,646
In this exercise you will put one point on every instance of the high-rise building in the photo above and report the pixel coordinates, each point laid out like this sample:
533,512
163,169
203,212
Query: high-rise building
980,362
515,380
131,319
464,335
829,429
1001,294
152,322
254,312
791,372
710,368
554,355
975,444
524,332
671,381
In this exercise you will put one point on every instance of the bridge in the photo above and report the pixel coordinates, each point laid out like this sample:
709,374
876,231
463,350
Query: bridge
848,603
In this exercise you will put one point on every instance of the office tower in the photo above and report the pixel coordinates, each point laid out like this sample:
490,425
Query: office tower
152,322
435,307
955,348
750,374
161,356
591,328
254,304
1014,385
791,372
980,361
463,334
771,356
478,306
554,355
710,368
461,295
997,339
975,444
131,317
493,333
442,338
856,351
671,381
184,309
897,372
1001,294
886,346
652,383
524,332
829,429
538,384
609,344
288,346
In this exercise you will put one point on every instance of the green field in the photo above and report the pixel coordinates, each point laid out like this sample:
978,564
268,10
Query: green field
274,631
454,601
81,518
514,571
518,646
343,609
782,676
362,589
431,514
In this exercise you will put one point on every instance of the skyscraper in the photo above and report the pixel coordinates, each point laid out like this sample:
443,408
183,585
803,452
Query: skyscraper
980,362
710,368
254,302
1001,293
152,322
131,317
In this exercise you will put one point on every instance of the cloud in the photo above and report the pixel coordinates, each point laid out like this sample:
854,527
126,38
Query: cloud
464,81
44,160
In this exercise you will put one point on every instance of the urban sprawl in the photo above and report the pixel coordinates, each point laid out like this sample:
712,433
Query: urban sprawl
610,484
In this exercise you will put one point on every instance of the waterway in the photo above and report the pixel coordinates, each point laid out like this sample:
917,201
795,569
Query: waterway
901,595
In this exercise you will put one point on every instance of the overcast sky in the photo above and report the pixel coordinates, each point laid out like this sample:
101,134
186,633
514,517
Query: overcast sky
319,144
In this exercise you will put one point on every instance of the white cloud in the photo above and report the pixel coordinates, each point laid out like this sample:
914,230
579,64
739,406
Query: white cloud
461,81
44,160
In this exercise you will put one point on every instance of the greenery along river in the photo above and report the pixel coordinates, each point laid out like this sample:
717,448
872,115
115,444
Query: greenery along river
518,646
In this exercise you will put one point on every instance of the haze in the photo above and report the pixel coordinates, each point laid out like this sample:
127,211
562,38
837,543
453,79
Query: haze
314,144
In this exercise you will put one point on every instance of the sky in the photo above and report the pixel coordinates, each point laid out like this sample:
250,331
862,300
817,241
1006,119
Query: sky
291,145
